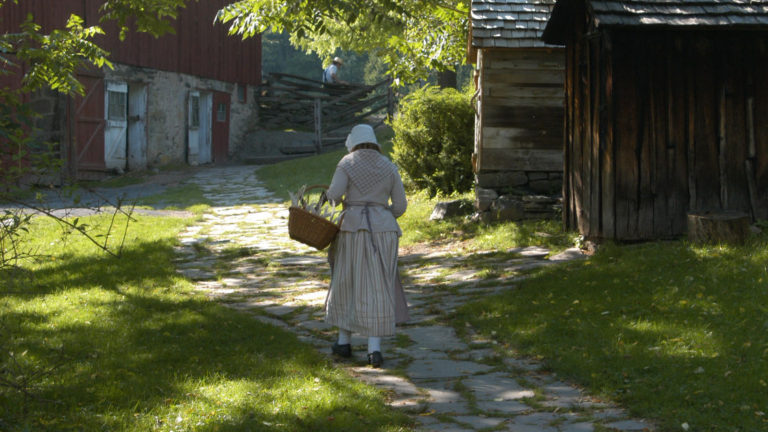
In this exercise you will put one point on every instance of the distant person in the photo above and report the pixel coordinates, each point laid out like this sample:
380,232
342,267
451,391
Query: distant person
331,73
366,296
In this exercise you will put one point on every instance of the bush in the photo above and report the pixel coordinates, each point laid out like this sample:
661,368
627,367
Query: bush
434,140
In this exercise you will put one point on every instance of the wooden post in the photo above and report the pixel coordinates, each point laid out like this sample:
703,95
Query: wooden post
318,125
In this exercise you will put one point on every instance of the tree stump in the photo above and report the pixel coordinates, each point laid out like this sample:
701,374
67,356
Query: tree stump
729,227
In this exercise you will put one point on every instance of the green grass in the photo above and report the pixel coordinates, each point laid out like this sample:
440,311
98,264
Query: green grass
417,228
187,197
101,343
674,332
289,176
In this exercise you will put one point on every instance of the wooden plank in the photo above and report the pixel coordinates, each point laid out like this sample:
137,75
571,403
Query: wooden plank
578,186
737,145
495,137
525,76
677,115
660,186
608,179
593,138
480,123
530,102
646,158
691,134
569,221
499,90
706,163
553,63
549,118
722,147
626,133
521,160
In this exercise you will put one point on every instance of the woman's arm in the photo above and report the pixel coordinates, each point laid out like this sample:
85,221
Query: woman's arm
338,186
399,202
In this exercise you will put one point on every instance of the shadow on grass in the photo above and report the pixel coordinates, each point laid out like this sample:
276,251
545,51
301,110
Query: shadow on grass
136,349
673,332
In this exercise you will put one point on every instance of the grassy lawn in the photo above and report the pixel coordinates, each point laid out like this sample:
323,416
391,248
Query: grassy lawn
91,342
673,332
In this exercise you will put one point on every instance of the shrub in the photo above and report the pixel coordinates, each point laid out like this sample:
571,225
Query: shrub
434,140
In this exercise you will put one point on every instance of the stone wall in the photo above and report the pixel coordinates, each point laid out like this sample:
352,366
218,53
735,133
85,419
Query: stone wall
518,195
167,94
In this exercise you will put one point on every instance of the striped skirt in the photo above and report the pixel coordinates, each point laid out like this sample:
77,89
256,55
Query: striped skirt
363,298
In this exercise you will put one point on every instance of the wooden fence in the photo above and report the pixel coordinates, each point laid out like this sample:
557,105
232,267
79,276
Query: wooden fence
289,101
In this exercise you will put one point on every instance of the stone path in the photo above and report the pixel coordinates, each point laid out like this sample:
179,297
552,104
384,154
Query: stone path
241,255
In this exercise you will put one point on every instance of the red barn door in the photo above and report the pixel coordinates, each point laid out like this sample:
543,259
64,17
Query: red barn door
87,117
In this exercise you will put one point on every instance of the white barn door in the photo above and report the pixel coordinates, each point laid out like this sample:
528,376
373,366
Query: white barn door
116,129
199,129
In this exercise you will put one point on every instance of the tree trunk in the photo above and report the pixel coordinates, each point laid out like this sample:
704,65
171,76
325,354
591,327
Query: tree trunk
728,227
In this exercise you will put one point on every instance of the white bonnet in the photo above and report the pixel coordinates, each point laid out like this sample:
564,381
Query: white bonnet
361,134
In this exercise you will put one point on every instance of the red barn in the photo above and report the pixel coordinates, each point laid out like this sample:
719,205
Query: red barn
181,98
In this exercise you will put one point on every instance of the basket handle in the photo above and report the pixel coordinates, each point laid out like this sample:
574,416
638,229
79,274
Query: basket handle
323,198
315,187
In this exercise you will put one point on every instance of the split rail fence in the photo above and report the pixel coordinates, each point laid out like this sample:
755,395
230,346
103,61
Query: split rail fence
289,101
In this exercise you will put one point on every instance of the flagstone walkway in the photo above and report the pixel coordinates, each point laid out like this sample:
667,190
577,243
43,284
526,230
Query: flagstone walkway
240,254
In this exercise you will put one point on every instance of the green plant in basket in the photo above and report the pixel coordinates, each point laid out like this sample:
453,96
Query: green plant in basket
312,220
317,205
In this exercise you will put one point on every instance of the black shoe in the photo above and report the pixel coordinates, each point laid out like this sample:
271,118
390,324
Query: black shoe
375,359
342,350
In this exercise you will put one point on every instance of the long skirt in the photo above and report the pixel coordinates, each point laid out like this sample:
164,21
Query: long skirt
365,295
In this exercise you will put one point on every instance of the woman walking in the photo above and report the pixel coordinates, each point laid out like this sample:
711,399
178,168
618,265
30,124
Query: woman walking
365,295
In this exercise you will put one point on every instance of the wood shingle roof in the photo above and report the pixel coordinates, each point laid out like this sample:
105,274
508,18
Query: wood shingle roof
660,13
509,23
680,12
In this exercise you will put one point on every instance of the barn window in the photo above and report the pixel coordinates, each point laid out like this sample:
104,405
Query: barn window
221,113
117,105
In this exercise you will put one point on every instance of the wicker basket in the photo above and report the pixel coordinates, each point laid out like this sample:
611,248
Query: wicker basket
310,229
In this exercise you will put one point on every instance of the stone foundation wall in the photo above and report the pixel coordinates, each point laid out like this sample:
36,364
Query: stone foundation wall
167,94
518,195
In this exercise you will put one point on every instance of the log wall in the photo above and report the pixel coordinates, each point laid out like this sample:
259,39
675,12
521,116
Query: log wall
662,123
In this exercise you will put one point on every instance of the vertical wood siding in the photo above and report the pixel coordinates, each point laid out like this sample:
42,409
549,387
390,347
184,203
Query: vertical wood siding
660,123
198,47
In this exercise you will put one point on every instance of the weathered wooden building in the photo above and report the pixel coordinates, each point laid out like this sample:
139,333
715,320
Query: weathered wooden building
666,112
519,122
183,97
